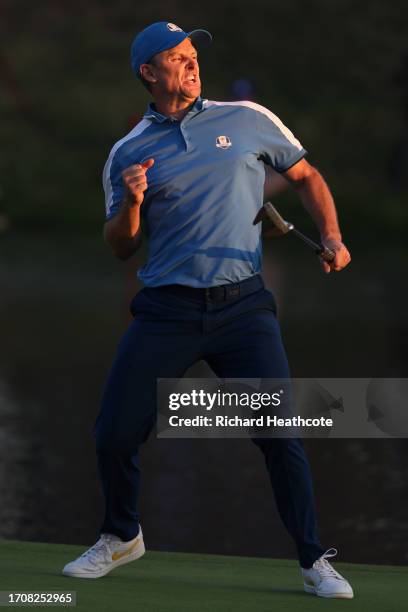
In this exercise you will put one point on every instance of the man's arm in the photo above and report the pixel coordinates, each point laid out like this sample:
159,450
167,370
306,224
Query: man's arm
319,203
122,232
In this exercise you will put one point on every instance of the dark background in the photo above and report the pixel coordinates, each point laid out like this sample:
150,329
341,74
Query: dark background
337,74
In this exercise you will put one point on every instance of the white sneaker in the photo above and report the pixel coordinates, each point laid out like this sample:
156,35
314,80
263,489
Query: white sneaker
323,580
108,552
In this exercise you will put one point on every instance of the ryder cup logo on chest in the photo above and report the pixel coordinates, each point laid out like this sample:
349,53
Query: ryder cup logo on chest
223,142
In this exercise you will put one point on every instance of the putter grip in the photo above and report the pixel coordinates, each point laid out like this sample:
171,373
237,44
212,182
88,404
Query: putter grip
326,254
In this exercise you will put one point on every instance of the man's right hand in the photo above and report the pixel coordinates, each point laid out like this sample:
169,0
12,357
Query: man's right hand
135,181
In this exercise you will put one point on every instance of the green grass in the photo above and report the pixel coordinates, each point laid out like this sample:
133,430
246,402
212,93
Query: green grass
161,582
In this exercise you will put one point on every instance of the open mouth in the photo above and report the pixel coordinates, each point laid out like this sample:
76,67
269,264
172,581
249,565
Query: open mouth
191,79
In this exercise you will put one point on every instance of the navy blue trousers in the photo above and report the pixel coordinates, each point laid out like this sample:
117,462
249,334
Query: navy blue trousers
238,338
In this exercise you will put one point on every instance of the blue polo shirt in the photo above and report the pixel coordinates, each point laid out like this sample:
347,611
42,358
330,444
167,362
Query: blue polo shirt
204,189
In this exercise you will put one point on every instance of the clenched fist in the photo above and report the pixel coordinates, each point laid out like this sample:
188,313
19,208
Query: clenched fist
135,181
342,255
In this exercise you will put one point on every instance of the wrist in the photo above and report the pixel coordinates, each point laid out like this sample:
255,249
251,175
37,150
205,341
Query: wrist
333,235
131,201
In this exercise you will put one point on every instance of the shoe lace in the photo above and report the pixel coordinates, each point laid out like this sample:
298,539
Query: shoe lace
323,566
101,547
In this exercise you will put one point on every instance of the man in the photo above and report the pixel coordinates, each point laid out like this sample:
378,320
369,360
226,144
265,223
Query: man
194,171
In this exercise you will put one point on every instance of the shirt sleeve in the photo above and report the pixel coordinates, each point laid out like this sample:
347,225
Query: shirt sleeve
112,185
278,146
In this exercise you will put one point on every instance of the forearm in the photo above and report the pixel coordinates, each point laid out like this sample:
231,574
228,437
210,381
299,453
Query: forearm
123,232
318,201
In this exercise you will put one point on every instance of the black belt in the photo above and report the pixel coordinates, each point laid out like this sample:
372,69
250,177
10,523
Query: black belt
219,293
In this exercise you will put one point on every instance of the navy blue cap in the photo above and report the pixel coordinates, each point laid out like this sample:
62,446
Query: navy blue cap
161,36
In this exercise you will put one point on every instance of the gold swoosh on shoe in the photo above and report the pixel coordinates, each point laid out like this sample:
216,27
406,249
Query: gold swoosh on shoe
124,553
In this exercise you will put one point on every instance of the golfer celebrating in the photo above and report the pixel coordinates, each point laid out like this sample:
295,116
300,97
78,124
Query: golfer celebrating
193,171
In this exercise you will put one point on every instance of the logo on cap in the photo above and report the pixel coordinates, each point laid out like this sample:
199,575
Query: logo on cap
173,27
223,142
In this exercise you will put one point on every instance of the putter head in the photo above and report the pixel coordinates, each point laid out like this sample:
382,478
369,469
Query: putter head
268,210
260,215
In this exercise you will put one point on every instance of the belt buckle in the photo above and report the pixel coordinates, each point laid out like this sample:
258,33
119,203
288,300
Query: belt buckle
234,291
221,293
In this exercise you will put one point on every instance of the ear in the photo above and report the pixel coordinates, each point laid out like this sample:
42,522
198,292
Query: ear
147,72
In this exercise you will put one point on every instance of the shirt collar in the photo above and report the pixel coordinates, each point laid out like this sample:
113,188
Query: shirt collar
153,115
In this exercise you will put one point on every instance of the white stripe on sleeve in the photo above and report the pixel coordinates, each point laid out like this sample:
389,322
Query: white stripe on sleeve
261,109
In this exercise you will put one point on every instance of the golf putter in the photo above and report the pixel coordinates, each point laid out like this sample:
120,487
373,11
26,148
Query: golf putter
285,227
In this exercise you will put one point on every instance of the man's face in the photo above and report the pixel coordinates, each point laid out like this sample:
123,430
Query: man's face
176,72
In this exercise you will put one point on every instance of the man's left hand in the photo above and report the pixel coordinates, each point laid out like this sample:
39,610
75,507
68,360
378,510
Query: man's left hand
342,258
